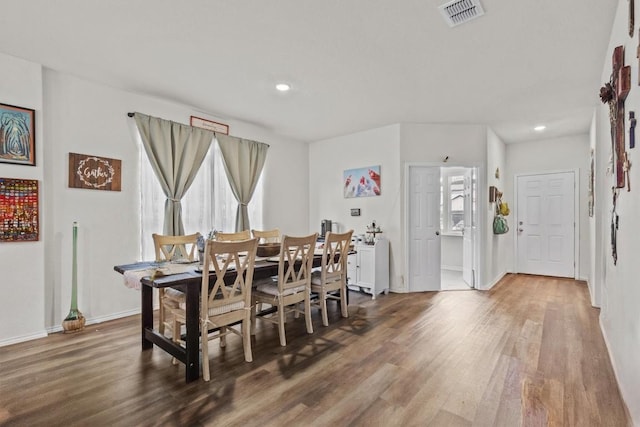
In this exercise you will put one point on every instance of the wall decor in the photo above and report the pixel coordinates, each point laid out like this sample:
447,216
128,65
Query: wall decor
614,94
626,165
632,129
494,194
93,172
19,217
632,13
209,125
361,182
17,135
638,55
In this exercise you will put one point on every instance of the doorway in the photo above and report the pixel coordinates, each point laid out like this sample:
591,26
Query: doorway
546,224
441,230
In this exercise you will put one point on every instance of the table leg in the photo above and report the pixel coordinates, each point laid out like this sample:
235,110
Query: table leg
192,364
147,314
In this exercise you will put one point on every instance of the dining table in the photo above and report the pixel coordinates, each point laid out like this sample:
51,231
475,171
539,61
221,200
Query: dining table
188,279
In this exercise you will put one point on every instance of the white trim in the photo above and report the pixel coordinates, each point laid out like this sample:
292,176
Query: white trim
576,216
450,267
22,338
495,281
625,394
451,233
100,319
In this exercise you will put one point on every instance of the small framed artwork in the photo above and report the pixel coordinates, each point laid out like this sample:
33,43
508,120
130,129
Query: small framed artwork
209,125
17,135
361,182
19,217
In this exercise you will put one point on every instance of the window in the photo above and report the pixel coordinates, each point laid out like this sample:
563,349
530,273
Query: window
208,204
452,203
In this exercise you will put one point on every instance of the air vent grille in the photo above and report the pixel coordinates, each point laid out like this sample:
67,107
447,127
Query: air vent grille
458,12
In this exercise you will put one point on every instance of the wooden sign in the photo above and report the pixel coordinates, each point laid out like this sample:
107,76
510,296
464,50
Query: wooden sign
209,125
19,217
94,173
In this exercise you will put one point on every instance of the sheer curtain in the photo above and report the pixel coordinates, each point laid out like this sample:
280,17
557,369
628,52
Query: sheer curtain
208,204
243,161
175,152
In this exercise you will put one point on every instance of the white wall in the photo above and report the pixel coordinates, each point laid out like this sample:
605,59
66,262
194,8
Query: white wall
495,245
464,145
22,304
451,252
327,161
620,299
391,147
596,260
552,155
89,118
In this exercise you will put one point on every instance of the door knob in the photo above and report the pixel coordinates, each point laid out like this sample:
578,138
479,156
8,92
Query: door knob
520,230
437,233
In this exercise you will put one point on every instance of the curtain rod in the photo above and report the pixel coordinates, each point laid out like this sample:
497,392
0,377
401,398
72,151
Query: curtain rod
132,114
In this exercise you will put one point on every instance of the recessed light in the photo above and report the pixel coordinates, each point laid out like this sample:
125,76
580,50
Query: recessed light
539,128
283,87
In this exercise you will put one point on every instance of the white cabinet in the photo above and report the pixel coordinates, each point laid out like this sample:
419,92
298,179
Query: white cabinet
368,268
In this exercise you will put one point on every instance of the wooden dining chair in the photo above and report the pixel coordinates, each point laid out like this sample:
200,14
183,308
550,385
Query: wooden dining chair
291,287
332,275
267,236
172,248
233,237
229,300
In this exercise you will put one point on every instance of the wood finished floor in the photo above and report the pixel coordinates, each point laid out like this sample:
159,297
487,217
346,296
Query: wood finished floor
529,352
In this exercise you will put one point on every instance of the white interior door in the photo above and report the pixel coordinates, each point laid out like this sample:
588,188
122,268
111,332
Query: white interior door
546,224
467,231
424,228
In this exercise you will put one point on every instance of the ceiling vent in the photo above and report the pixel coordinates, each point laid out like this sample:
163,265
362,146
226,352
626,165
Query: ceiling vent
458,12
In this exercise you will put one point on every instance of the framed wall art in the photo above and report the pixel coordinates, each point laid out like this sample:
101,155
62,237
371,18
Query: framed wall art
94,173
17,135
19,217
361,182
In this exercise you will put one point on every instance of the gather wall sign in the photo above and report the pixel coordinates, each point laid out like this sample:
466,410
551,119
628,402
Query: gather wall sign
94,173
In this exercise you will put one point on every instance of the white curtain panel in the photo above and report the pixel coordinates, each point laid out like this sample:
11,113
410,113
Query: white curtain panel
243,162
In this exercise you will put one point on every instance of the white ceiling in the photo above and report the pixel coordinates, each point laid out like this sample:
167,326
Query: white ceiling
352,64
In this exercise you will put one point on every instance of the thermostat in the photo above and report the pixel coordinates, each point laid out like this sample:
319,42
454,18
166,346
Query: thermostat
355,212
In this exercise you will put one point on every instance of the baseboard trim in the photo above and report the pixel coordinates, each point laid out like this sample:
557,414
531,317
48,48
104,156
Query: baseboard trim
615,372
23,338
99,319
495,280
451,267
